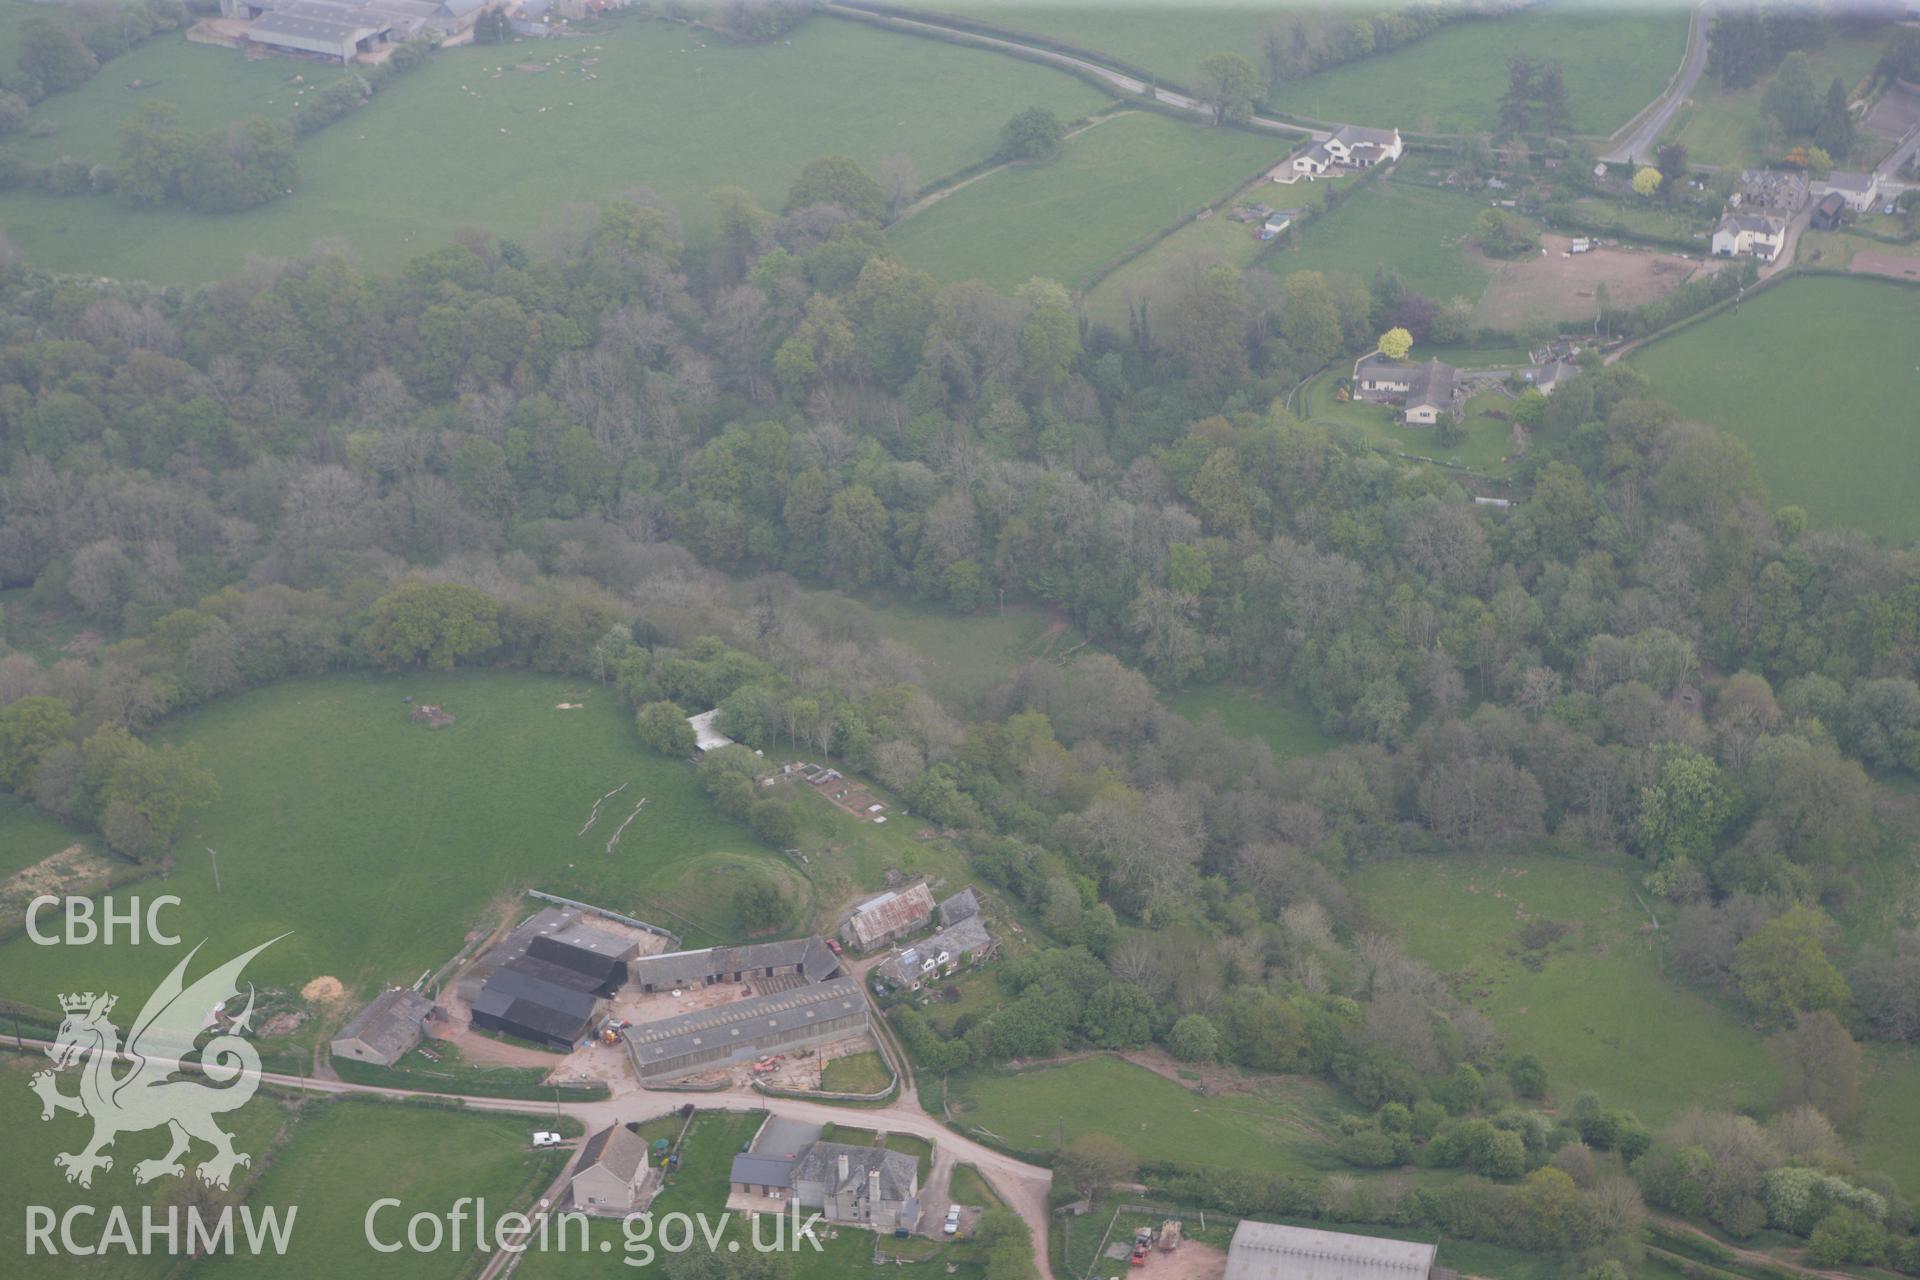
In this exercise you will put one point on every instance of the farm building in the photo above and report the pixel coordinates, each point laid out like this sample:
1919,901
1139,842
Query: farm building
1857,189
747,1029
386,1030
337,32
1829,212
893,914
766,1167
706,733
804,960
548,980
610,1173
1267,1251
963,905
967,940
1753,233
1544,378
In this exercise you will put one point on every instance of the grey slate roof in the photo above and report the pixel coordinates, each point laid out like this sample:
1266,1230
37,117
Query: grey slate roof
744,1020
1754,222
1845,180
390,1024
967,935
1354,135
269,27
1267,1251
762,1171
1431,383
821,1163
960,906
616,1148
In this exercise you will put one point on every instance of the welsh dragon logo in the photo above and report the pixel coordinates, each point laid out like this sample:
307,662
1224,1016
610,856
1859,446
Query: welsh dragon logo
156,1091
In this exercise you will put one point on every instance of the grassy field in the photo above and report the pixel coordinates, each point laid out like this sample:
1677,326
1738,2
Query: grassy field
856,1073
964,656
27,835
1110,187
1278,716
1598,1011
345,1155
1617,59
1179,257
1889,1125
1487,448
462,142
208,86
1419,231
29,1176
1720,127
1835,432
379,843
1284,1127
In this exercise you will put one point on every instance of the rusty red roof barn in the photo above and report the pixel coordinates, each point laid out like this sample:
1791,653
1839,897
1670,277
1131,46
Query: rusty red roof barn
892,914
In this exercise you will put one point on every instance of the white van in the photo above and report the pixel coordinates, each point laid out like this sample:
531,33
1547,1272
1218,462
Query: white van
547,1138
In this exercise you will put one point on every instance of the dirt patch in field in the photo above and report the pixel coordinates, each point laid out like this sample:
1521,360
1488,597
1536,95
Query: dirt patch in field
1872,262
75,871
1191,1261
1560,285
325,989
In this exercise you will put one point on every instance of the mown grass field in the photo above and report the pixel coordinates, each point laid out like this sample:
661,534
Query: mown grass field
376,843
462,142
1421,232
1819,376
345,1155
28,1175
1279,717
856,1073
1617,58
1721,126
1155,274
962,656
1599,1011
1284,1127
1111,187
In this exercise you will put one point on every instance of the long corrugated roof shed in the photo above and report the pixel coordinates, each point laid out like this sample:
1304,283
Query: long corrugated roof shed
744,1020
1269,1251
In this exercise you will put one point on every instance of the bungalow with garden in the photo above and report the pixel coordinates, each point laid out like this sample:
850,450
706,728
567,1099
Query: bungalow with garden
1424,391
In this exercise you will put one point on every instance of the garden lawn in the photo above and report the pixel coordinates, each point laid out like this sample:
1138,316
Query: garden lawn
345,1155
28,1175
1421,232
1598,1011
1285,1127
375,843
700,1184
1819,376
967,1187
463,143
1110,188
856,1073
1723,127
1487,448
1617,58
1279,717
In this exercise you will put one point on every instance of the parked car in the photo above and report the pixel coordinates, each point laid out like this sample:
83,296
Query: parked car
952,1225
547,1138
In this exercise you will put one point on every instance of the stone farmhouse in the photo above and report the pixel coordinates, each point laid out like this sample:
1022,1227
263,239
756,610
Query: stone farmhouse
859,1185
386,1030
1778,191
963,942
610,1174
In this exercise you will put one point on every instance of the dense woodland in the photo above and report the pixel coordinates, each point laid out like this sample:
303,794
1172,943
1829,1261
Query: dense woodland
624,456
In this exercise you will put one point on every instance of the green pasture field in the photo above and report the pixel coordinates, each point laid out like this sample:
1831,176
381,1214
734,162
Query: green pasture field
1487,448
28,1176
844,1252
1186,253
1284,1127
1111,186
1599,1011
376,843
1279,717
468,140
1422,232
1819,377
1888,1129
1834,250
28,836
962,656
344,1155
1617,58
856,1073
1723,127
209,86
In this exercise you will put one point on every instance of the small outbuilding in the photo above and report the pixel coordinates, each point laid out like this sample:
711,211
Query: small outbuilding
610,1174
893,914
386,1031
706,732
1269,1251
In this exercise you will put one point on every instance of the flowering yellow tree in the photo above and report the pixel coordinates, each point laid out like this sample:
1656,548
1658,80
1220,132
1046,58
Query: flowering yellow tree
1395,343
1647,181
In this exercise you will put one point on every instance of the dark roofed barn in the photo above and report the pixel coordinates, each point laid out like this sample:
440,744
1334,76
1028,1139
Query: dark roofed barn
531,999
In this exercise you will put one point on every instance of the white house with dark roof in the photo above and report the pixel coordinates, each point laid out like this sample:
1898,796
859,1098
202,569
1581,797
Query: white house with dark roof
1857,189
1753,233
1424,391
1358,147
